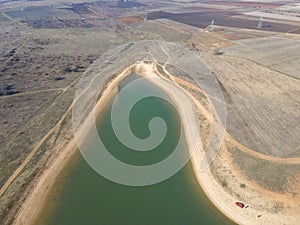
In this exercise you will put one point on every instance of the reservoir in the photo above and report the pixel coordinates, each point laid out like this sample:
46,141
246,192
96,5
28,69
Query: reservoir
83,197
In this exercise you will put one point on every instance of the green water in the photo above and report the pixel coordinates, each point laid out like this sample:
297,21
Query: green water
82,197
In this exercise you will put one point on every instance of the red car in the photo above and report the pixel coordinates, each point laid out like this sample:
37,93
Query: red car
239,204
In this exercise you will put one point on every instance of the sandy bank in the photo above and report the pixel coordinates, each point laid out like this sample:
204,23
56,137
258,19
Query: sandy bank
220,197
213,189
33,204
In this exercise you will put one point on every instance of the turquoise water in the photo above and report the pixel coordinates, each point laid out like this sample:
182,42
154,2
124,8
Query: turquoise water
82,197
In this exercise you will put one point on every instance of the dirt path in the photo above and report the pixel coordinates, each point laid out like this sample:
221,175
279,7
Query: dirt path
36,198
227,135
224,200
11,137
32,153
32,92
213,189
37,145
235,142
5,15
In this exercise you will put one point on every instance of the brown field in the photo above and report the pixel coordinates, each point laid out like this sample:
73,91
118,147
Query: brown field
83,10
246,4
222,18
130,19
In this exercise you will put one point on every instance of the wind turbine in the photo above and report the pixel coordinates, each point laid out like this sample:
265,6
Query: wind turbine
212,26
259,25
146,16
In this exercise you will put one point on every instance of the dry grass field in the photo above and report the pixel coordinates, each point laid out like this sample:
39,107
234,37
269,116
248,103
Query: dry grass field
263,104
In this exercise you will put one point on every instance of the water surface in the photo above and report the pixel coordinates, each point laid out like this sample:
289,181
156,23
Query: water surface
82,197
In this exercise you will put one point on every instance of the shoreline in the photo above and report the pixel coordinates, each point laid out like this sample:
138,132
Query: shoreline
214,191
223,201
34,203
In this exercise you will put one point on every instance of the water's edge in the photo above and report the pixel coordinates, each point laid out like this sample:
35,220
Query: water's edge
183,189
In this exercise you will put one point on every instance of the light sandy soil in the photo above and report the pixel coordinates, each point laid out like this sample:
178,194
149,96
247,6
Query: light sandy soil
36,199
214,190
226,201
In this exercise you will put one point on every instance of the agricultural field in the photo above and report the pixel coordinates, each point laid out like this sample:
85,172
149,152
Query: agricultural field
255,119
279,53
222,18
